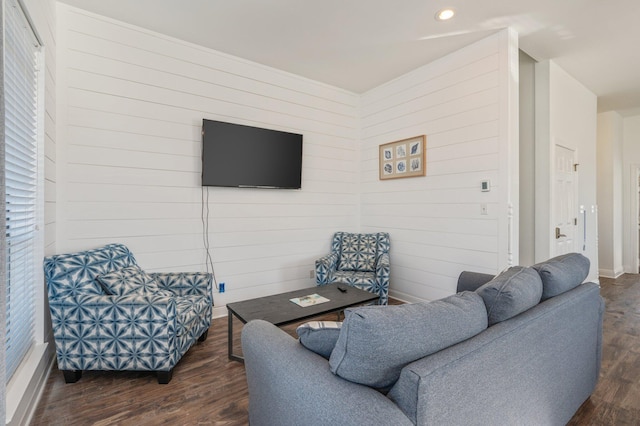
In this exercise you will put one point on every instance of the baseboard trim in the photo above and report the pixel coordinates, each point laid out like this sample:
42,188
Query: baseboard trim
610,273
219,311
406,298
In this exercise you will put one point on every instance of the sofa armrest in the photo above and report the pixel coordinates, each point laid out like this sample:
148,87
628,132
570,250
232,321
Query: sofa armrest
325,267
290,385
471,281
185,283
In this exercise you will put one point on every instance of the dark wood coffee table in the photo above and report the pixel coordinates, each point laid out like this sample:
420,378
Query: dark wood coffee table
279,310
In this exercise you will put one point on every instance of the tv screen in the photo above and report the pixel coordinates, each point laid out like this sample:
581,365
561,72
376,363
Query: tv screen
244,156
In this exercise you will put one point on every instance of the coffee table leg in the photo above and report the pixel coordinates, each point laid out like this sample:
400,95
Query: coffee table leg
232,356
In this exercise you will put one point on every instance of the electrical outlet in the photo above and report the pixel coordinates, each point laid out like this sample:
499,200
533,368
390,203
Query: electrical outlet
483,209
311,273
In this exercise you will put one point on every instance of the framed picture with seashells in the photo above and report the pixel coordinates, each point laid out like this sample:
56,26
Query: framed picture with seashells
403,158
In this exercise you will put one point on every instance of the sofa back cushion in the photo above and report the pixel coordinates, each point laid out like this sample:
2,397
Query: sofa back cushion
376,342
75,273
510,293
562,273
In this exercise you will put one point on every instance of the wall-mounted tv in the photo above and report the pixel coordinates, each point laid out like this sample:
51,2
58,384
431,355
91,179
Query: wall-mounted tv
250,157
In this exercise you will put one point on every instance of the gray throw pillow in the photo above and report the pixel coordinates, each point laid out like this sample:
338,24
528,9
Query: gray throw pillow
512,292
376,342
319,336
562,273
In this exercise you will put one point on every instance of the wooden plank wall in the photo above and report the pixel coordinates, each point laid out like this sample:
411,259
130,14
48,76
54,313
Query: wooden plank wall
435,221
131,105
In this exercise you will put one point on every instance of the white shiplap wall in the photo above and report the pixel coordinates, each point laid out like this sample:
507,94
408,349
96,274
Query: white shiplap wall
463,103
131,104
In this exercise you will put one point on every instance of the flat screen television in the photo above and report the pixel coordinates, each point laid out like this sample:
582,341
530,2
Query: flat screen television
250,157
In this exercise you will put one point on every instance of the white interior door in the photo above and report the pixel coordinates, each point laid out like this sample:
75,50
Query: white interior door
565,219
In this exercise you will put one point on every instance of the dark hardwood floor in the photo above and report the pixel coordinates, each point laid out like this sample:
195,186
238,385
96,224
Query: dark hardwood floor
616,399
207,389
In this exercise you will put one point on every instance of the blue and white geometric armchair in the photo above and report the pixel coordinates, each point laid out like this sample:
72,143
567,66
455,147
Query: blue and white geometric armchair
108,314
358,260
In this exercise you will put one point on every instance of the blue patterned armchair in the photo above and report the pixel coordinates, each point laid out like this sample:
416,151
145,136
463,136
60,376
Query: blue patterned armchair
108,314
358,260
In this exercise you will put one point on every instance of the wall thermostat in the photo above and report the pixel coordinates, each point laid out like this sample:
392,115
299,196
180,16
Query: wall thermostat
485,185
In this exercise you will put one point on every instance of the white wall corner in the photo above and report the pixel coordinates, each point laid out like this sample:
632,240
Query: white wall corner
542,161
610,191
609,273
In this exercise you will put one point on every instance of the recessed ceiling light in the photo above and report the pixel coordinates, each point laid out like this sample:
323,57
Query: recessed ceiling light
445,14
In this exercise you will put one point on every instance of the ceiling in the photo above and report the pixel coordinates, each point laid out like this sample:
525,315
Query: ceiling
359,44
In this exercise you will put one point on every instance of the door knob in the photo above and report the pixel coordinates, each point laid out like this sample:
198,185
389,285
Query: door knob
558,234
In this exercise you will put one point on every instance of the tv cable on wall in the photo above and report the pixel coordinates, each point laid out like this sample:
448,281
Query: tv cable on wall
204,216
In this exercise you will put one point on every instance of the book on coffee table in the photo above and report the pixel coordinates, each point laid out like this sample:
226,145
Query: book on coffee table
310,300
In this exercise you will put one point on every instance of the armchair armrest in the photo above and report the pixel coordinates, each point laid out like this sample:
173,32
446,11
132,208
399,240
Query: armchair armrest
307,392
325,267
383,266
383,274
185,283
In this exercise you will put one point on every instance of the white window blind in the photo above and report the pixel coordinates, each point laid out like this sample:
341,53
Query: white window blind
21,182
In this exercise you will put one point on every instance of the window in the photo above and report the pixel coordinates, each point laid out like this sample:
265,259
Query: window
23,252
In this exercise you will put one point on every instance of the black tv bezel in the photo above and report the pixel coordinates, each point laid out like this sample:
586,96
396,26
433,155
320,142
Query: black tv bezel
270,132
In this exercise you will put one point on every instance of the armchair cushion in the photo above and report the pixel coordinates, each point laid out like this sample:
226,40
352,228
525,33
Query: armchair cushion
358,252
127,280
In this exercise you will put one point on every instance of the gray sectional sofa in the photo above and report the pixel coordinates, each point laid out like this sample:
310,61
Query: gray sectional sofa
523,347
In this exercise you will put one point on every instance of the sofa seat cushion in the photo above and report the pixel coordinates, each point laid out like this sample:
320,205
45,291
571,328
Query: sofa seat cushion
358,252
127,280
562,273
189,311
319,336
510,293
376,342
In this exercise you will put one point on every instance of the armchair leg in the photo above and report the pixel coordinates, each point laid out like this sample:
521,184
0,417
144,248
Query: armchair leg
71,376
204,335
164,377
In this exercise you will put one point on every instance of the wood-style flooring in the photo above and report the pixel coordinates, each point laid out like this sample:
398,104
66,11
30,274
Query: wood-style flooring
208,389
